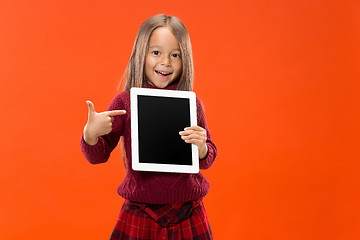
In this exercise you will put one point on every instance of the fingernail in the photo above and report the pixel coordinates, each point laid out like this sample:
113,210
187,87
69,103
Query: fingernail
181,132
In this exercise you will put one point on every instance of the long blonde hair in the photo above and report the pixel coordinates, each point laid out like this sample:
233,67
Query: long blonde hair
135,74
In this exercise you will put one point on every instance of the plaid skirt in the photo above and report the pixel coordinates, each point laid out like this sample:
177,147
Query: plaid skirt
162,221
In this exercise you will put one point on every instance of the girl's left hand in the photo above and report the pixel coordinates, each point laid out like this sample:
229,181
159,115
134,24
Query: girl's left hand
197,136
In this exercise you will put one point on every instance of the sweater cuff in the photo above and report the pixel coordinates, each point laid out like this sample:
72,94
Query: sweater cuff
98,147
208,160
207,153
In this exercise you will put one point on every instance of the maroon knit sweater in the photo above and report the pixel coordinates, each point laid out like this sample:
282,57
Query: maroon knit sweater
150,187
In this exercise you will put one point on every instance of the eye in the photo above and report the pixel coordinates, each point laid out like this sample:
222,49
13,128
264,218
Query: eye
175,55
156,53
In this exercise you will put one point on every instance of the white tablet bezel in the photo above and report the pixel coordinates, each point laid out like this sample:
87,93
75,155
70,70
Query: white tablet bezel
154,167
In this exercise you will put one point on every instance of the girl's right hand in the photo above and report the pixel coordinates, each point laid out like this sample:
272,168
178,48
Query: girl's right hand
98,124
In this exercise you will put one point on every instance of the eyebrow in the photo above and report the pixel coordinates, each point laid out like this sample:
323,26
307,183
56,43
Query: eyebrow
156,46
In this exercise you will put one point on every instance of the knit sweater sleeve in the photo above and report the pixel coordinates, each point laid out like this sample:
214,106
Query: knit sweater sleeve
100,152
209,159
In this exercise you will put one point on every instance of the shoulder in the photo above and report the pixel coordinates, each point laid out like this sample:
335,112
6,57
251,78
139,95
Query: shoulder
120,101
199,104
122,95
199,111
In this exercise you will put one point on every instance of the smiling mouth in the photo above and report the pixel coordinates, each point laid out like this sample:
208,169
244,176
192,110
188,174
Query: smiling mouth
162,74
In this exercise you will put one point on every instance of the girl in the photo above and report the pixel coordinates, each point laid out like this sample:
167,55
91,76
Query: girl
157,205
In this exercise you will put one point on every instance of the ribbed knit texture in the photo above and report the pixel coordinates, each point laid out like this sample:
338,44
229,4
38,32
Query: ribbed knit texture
150,187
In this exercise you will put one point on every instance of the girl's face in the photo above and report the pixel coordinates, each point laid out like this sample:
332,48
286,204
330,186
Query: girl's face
163,63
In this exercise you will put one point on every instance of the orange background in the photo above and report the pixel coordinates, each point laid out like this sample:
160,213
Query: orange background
280,83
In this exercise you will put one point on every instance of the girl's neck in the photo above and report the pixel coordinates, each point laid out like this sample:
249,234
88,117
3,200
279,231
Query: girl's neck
171,86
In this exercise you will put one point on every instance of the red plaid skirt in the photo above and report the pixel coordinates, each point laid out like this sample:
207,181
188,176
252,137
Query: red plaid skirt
162,221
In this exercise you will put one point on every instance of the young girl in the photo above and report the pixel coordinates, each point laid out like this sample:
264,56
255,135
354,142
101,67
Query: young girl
157,205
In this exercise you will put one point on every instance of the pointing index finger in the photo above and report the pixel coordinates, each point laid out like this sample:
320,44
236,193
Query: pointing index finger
115,112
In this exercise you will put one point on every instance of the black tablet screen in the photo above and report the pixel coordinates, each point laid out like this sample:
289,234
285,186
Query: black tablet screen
159,121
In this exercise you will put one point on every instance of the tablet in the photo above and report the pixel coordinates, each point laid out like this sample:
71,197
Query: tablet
157,117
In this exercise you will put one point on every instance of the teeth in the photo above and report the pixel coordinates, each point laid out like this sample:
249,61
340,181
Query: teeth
164,73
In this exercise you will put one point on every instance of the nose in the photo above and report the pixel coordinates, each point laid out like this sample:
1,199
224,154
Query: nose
165,61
